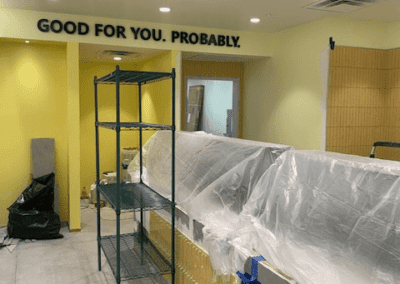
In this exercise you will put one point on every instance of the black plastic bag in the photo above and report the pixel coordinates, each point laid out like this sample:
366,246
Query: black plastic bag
33,224
32,215
38,196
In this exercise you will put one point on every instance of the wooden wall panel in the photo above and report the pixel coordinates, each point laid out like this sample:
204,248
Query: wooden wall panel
364,101
392,101
356,104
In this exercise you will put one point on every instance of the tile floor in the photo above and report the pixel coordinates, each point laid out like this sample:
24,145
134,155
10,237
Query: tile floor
71,260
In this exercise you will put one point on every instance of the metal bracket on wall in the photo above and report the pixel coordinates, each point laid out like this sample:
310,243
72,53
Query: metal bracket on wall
331,43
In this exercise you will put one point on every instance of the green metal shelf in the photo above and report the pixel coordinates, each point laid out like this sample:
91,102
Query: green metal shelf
133,256
153,265
132,77
133,126
134,196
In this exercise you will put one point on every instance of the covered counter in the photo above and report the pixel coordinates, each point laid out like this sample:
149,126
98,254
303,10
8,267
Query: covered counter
327,218
318,217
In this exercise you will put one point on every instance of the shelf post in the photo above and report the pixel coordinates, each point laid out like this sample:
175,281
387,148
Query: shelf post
97,173
173,179
141,181
140,131
118,209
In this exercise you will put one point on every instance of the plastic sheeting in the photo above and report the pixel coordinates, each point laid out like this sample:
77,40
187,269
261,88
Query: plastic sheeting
328,218
212,172
319,217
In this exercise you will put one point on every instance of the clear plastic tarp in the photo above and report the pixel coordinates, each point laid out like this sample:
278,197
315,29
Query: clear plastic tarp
319,217
211,173
328,218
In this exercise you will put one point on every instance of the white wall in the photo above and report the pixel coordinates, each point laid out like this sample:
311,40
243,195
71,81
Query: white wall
217,99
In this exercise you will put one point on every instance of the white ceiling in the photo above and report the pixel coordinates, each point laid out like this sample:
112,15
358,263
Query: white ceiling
275,15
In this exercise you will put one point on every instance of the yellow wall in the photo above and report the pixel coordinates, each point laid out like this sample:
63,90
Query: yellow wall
215,70
33,82
106,96
283,95
156,109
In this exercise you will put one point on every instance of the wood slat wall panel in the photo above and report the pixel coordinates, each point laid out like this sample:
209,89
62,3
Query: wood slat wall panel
363,101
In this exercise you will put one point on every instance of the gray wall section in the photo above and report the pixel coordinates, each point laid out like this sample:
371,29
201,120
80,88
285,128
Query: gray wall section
42,157
43,163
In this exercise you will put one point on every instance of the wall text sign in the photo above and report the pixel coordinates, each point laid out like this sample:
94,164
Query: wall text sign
136,33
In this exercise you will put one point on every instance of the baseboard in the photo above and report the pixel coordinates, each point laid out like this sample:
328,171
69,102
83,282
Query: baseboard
74,230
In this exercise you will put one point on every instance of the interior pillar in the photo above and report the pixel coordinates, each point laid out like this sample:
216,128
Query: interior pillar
74,212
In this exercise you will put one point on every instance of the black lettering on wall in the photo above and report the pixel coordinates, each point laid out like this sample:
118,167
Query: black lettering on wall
135,32
155,37
194,38
83,28
43,25
145,34
184,36
221,40
121,32
236,41
212,40
203,38
98,29
228,44
70,27
109,31
174,35
56,26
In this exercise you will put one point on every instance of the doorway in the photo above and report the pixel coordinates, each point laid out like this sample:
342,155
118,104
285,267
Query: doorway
212,105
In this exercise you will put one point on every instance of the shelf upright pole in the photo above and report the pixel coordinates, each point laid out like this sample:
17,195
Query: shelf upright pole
173,179
140,130
97,173
141,181
118,209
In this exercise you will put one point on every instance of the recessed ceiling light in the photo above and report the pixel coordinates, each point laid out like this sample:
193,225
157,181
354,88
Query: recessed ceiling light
255,20
27,41
117,58
165,9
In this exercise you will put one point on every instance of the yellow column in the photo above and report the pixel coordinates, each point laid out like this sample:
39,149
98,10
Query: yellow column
73,137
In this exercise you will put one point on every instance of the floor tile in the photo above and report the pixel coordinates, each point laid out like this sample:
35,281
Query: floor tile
7,267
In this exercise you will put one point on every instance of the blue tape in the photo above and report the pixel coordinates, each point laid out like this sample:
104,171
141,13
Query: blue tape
251,279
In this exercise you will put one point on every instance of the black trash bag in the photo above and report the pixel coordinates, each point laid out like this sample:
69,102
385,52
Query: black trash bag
32,215
33,224
38,196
